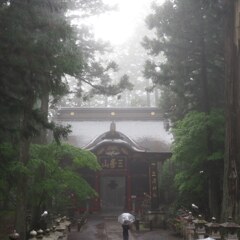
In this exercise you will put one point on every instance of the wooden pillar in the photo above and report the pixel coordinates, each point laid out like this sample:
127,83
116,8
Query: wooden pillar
159,173
97,189
129,191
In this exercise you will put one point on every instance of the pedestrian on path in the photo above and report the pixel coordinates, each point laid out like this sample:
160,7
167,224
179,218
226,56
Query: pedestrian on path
125,228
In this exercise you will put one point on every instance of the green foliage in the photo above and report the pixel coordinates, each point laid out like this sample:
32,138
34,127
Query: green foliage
40,49
55,172
166,184
8,174
193,127
190,168
190,37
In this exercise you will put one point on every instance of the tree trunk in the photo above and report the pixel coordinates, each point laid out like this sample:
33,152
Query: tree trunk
213,187
37,209
215,169
230,205
22,185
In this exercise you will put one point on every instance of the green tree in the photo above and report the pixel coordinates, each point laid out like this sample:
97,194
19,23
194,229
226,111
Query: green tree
167,188
39,48
230,206
54,172
190,37
35,58
195,167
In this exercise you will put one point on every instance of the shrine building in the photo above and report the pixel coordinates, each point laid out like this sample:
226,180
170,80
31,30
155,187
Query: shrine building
131,145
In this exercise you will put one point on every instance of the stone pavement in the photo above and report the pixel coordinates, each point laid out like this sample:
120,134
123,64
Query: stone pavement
107,228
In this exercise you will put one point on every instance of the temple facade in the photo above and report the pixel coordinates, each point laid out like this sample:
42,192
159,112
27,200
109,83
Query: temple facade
130,144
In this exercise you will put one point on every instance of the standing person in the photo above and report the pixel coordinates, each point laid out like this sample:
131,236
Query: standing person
125,228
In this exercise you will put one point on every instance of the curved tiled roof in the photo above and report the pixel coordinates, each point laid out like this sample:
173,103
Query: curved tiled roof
141,128
114,136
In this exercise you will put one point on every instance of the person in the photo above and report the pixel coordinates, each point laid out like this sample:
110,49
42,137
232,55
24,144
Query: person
125,228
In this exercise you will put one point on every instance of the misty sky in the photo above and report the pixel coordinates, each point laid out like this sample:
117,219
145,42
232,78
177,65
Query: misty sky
118,26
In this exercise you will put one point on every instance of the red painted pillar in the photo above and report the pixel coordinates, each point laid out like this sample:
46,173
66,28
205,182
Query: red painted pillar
129,192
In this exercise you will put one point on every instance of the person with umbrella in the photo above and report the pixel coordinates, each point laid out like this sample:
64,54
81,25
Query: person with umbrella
125,228
126,219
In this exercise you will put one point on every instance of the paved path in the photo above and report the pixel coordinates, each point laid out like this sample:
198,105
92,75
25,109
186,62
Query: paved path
107,228
114,229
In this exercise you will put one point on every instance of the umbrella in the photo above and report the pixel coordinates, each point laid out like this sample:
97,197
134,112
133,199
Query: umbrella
126,218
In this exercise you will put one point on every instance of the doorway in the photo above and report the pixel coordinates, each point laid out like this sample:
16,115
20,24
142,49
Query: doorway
112,193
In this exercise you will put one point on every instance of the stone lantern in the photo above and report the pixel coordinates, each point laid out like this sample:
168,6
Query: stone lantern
190,227
53,229
40,234
58,221
14,235
200,227
214,229
33,235
47,232
231,229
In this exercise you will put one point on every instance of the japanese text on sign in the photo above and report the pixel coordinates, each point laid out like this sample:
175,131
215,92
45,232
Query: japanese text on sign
112,163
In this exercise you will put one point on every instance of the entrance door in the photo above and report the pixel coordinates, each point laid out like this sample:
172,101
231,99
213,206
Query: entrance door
112,193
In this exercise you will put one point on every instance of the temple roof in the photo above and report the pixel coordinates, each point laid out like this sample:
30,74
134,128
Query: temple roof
113,136
141,128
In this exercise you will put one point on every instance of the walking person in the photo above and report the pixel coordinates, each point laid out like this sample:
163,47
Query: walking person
125,228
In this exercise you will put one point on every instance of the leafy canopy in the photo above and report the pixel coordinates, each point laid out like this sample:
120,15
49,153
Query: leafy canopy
61,166
191,157
186,56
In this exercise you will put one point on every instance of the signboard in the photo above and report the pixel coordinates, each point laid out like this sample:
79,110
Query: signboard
153,179
113,162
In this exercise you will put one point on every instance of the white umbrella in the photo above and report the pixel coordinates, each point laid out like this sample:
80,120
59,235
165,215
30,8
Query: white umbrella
126,218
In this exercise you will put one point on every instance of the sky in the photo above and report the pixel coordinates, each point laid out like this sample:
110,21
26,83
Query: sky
118,26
